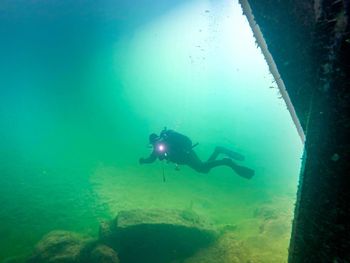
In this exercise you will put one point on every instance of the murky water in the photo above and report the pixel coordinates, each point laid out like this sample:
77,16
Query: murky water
84,84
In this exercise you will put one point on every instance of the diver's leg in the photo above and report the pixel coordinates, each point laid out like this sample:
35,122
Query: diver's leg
242,171
204,167
215,163
218,150
195,163
215,154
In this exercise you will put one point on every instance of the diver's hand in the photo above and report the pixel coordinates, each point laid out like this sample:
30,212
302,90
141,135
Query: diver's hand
141,161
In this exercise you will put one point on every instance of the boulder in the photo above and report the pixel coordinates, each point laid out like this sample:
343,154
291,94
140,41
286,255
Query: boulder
103,254
226,249
156,236
58,247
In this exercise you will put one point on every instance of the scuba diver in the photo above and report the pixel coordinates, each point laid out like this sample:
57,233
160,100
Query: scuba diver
178,148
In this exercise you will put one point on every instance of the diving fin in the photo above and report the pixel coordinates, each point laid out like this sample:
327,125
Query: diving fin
235,155
231,154
244,171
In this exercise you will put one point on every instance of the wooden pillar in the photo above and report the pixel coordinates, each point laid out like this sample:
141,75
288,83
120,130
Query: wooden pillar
310,43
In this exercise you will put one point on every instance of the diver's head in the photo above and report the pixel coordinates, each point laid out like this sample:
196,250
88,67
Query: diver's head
153,138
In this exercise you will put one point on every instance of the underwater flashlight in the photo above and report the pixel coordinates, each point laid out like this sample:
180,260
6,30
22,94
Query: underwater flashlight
161,147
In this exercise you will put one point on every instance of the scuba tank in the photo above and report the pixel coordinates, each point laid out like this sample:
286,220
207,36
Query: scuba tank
176,139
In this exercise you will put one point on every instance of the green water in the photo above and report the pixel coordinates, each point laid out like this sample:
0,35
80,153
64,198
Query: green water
82,87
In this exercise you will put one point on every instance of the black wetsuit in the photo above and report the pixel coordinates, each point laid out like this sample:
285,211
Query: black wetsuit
178,148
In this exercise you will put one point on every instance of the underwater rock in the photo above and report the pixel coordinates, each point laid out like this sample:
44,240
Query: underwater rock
19,259
275,223
59,247
266,212
106,230
277,228
266,249
103,254
267,233
226,249
156,236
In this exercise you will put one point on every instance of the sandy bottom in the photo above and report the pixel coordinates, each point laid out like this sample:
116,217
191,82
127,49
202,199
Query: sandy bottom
255,220
253,215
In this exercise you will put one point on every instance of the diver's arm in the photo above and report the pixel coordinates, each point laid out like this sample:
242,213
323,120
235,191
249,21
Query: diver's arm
149,159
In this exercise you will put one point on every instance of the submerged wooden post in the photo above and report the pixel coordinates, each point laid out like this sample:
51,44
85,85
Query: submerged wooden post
310,41
272,66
